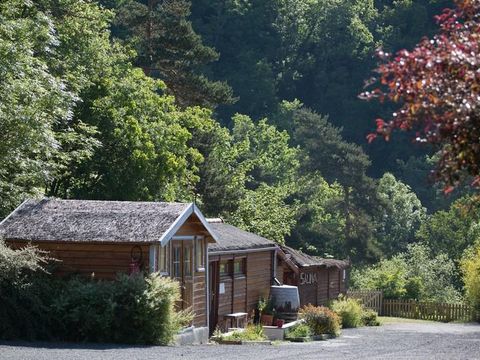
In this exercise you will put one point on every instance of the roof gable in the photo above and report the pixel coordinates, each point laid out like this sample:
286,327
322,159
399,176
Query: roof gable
97,221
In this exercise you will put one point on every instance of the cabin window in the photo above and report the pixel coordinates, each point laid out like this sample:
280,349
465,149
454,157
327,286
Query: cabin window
176,261
239,267
199,254
187,260
163,258
226,268
344,275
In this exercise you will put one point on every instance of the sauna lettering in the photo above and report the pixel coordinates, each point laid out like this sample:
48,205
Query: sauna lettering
308,278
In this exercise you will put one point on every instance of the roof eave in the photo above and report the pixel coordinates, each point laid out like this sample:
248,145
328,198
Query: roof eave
189,210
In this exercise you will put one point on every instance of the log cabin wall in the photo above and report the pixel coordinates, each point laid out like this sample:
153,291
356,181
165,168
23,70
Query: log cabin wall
102,260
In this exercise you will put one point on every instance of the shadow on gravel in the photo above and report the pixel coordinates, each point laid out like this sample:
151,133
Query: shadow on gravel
73,346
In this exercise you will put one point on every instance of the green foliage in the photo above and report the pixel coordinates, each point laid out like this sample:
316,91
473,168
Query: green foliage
414,274
248,173
134,162
300,331
252,210
23,311
370,317
349,310
470,266
320,228
320,320
453,230
251,333
32,101
401,215
324,151
169,49
132,309
265,306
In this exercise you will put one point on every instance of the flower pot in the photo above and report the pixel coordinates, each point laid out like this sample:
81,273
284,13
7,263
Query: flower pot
280,323
266,320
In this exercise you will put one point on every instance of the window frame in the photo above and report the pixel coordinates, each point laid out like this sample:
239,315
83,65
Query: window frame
229,268
243,267
163,259
199,253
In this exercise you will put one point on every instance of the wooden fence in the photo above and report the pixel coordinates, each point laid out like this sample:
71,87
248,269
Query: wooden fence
411,309
371,299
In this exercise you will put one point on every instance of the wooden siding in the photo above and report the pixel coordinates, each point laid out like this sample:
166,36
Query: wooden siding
243,291
259,277
328,285
103,260
199,298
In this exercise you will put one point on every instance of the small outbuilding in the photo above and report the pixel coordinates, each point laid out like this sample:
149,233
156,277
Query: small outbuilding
319,280
241,270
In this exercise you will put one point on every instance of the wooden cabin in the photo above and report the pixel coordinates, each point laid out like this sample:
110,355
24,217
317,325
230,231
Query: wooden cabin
241,270
103,238
223,270
319,280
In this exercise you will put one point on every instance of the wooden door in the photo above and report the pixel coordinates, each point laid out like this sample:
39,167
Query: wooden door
182,270
213,273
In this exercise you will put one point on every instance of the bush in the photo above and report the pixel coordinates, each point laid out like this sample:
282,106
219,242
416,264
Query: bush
24,313
300,331
370,318
349,310
470,266
251,333
35,306
418,273
132,309
320,320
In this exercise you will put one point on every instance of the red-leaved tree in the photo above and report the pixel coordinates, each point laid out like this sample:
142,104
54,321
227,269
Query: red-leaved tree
437,86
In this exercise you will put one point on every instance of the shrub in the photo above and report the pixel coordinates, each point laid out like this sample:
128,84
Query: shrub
418,273
23,306
320,320
132,309
300,331
349,310
35,306
470,266
251,333
370,318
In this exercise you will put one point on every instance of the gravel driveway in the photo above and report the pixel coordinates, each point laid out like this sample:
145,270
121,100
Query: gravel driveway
402,340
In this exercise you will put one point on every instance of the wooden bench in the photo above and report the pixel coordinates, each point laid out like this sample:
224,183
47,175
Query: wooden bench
238,316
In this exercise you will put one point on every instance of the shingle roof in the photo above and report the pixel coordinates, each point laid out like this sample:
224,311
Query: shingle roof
232,238
301,259
91,221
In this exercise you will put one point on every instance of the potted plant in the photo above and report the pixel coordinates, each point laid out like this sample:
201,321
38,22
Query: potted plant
265,307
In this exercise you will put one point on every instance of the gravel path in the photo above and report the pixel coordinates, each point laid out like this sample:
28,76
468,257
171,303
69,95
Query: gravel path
403,340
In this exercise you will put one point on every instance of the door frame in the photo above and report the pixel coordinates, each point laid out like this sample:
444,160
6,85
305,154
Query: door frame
214,284
186,281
